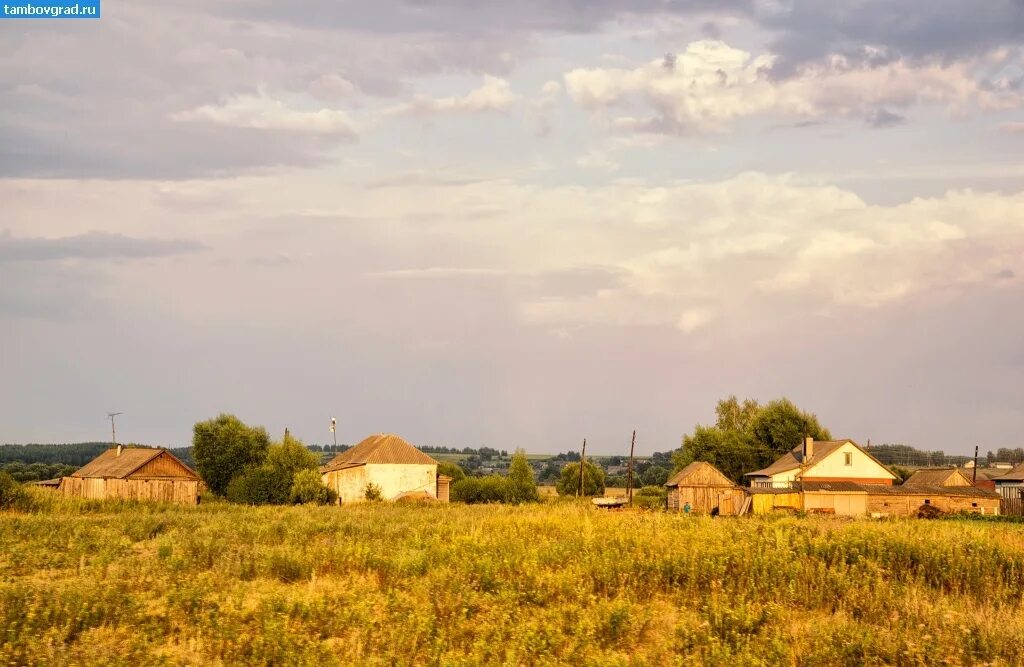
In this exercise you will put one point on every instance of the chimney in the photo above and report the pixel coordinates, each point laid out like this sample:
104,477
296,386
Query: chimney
119,450
808,449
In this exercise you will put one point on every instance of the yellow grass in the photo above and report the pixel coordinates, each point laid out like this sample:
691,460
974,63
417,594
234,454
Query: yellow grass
557,583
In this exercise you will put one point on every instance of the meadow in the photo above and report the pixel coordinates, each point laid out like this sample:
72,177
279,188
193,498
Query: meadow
554,583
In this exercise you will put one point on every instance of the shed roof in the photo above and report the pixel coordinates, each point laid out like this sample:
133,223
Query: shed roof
699,473
1015,475
930,490
119,465
937,477
380,448
845,487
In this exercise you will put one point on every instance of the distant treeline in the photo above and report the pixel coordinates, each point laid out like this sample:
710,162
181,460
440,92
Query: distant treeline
75,454
905,455
482,452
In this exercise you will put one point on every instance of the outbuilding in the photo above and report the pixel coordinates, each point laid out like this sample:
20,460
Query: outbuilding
134,473
385,463
705,489
938,477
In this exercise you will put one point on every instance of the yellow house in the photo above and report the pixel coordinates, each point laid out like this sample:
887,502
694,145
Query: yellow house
823,461
389,463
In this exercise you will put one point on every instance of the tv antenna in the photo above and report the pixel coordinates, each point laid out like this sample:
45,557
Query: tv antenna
113,433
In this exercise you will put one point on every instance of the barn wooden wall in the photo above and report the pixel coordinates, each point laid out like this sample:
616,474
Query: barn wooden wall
185,492
705,499
162,466
908,505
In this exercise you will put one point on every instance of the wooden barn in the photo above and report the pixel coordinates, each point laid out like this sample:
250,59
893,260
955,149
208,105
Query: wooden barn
706,490
938,477
134,473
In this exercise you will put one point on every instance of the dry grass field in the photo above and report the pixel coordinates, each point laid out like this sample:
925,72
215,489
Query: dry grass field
84,583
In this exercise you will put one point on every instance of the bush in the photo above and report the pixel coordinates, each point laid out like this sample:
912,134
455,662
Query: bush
309,487
655,491
452,470
491,489
260,485
569,482
373,492
12,495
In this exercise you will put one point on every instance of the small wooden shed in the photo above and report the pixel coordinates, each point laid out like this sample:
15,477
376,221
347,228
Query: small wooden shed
134,473
938,477
705,488
444,483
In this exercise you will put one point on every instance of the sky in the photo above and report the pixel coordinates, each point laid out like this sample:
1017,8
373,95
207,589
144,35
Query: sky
514,224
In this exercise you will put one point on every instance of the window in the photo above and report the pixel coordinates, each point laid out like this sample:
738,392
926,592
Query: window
849,458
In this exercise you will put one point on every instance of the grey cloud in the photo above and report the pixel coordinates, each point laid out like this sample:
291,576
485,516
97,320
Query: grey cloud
943,29
880,118
93,245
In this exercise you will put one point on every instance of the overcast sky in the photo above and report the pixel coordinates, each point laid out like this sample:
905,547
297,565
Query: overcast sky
514,224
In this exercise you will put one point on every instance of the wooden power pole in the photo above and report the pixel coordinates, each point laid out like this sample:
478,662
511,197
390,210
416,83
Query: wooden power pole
974,475
629,479
583,460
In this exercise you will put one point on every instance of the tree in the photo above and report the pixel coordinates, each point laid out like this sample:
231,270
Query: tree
453,470
569,482
780,426
521,486
732,452
748,436
655,476
373,492
224,447
490,489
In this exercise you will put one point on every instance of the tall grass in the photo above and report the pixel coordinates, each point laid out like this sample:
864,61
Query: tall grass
558,583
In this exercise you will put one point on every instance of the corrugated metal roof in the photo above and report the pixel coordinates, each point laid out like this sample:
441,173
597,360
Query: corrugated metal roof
380,448
935,477
111,465
846,487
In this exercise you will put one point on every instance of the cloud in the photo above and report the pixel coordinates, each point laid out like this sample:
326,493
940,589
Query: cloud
1013,128
494,94
92,245
710,84
260,112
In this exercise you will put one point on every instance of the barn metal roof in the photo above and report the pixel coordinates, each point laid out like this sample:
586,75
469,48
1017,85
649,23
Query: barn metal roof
380,448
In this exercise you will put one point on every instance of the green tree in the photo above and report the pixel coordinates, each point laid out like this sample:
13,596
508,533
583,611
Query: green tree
453,470
780,426
732,452
655,476
490,489
521,486
748,436
569,482
373,492
224,447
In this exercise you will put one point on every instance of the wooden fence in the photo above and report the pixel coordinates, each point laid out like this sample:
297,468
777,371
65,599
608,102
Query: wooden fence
1012,506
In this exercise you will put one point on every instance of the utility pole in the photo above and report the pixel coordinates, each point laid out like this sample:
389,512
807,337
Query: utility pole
583,460
113,431
629,480
334,432
974,474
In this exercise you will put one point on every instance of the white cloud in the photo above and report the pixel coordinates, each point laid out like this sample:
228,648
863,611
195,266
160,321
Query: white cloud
710,84
494,94
599,160
266,113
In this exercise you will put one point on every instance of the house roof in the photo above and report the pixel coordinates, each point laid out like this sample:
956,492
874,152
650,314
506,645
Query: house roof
1015,475
794,458
934,477
110,464
699,473
380,448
